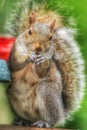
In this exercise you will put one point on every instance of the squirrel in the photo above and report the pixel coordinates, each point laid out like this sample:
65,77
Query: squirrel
46,68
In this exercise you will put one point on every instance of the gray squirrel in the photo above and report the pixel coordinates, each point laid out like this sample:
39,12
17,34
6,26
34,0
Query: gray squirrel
46,69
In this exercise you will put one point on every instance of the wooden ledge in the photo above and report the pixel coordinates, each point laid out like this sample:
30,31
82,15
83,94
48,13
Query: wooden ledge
9,127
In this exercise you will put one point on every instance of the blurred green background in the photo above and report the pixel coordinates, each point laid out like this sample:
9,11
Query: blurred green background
80,10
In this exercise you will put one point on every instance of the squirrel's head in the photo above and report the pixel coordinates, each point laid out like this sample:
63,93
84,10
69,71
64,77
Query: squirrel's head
39,34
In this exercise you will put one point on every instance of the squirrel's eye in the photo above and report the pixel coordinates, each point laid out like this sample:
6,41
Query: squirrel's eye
50,38
30,32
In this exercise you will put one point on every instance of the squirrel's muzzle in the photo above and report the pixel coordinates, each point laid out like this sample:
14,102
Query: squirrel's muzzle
38,47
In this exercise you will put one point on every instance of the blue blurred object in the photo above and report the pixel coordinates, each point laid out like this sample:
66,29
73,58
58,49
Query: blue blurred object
4,71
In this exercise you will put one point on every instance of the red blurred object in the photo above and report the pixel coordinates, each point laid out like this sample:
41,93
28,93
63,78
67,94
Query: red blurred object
5,47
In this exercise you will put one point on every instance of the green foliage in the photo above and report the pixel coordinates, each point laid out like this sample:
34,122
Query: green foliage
63,8
6,115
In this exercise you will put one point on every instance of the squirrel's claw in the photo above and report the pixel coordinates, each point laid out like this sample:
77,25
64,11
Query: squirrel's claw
32,57
40,59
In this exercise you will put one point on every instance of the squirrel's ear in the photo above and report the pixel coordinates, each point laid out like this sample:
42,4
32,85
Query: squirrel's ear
52,24
32,18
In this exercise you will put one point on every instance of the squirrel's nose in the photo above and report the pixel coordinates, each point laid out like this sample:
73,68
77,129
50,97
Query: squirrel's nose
38,49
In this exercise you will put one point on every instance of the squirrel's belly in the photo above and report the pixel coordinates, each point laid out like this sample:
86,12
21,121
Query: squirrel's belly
25,102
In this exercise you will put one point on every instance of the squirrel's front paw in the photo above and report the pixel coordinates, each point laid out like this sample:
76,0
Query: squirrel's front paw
32,57
39,59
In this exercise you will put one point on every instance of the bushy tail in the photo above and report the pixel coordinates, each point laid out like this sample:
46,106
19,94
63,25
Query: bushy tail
71,65
18,18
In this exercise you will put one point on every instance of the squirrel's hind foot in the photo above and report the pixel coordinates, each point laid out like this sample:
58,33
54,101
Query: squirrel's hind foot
21,122
41,124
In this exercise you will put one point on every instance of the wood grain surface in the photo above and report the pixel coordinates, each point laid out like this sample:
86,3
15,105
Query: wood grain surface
9,127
